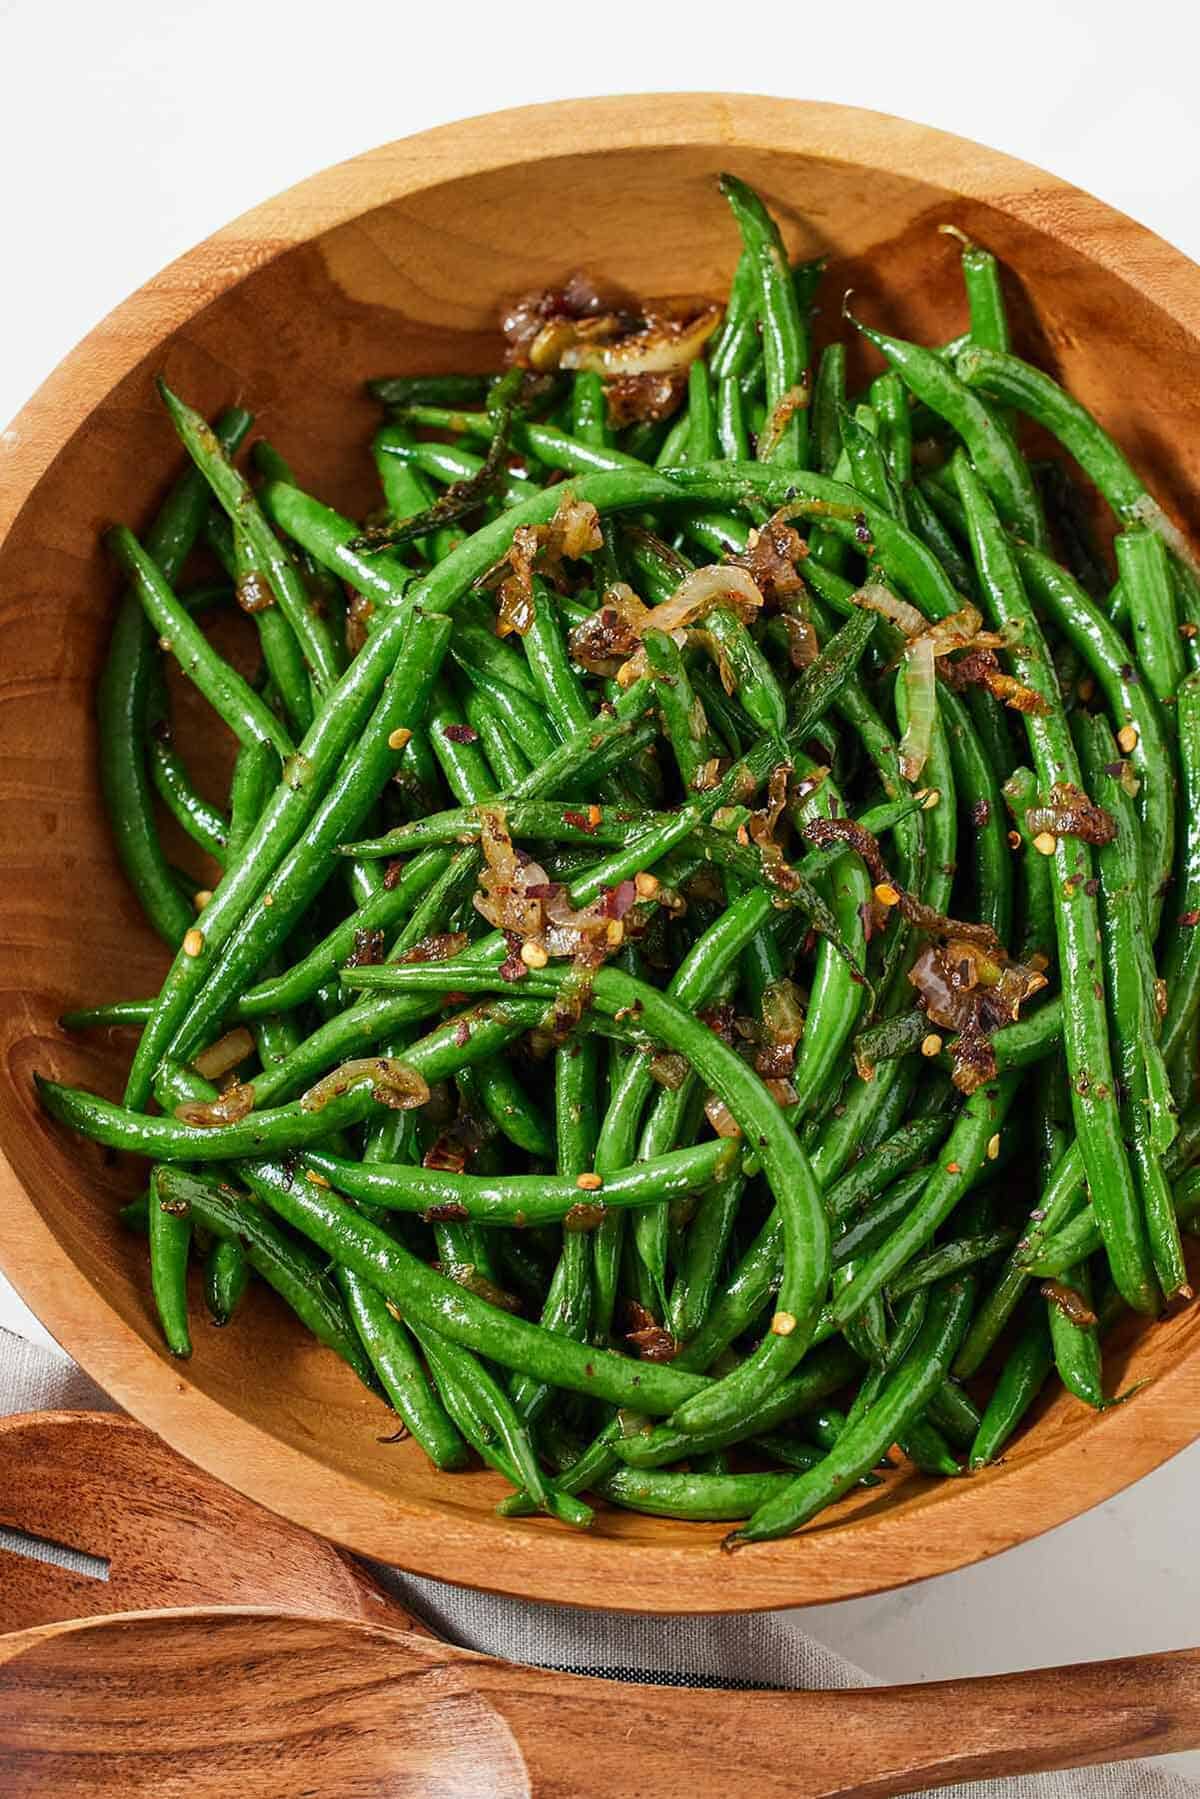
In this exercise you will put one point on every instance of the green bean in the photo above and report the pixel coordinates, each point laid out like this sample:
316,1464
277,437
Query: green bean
511,1109
702,443
226,1277
1149,1106
674,444
958,1168
694,1495
298,983
691,986
556,682
1085,1033
568,1304
928,1450
520,717
458,1040
287,814
704,1249
1145,575
522,1199
1179,957
895,1036
949,1258
985,296
255,773
976,783
837,507
901,1401
735,344
244,512
485,1416
1130,708
1059,1198
928,526
1021,1379
444,390
874,1172
299,875
1039,396
872,1225
829,400
1037,925
733,439
123,697
329,539
867,466
822,1372
372,1019
225,690
117,1015
683,717
784,330
453,740
281,1262
204,823
406,492
1076,1344
432,1302
386,1341
1059,1250
895,420
955,1413
589,409
282,655
999,464
170,1244
805,1233
477,646
838,992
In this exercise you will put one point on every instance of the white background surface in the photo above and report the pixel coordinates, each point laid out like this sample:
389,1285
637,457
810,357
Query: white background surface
129,131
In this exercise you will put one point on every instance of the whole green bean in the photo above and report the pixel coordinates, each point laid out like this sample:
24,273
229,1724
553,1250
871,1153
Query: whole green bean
901,1401
170,1244
1085,1032
123,697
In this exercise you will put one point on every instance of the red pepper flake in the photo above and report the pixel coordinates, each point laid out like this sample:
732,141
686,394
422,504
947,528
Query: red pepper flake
450,1212
720,1019
462,1033
460,734
981,813
446,1155
392,873
578,822
368,949
1189,920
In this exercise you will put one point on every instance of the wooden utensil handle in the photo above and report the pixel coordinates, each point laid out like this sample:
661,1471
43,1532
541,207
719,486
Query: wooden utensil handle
300,1705
593,1739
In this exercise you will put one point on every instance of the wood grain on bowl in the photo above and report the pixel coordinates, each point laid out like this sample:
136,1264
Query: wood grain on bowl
397,262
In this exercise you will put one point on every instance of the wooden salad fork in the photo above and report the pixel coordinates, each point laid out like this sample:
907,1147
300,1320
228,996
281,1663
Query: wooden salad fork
282,1670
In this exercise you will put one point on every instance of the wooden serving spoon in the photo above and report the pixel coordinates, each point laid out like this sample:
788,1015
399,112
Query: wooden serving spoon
171,1535
259,1700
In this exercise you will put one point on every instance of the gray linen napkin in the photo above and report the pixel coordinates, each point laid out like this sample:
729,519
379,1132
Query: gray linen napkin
758,1650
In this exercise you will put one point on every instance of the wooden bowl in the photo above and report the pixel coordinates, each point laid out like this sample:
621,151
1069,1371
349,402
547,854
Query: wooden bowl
398,261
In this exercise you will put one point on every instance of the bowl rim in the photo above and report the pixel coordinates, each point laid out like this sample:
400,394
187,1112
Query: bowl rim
836,1561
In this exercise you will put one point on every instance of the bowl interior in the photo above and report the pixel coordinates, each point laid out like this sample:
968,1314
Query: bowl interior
408,286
